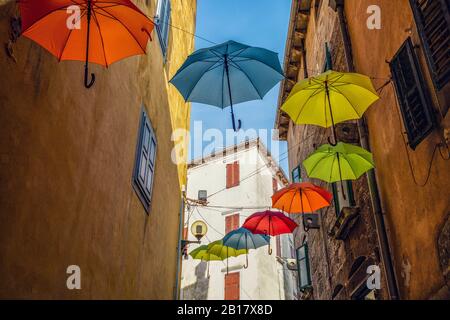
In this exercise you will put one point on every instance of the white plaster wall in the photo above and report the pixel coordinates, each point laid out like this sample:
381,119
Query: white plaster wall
265,278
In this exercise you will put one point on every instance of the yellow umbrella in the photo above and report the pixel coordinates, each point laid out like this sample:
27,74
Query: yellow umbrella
330,98
217,248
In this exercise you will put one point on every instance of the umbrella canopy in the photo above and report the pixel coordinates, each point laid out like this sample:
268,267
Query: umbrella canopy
337,163
201,253
243,239
269,223
330,98
301,198
218,249
228,74
109,30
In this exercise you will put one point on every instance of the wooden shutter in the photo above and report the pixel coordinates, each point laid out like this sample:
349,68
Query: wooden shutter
414,98
433,22
229,175
236,177
232,286
163,27
231,223
304,273
145,161
232,175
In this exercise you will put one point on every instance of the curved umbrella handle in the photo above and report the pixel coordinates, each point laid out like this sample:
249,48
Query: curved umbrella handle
88,83
246,261
334,144
270,250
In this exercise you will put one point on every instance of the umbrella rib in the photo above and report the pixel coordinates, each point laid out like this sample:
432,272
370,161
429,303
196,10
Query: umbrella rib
101,37
256,59
67,40
200,78
134,37
251,82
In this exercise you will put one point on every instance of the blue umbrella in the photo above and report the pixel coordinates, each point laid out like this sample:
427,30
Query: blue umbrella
243,238
228,73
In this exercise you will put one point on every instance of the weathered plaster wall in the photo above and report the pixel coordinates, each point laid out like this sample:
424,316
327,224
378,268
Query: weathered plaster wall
415,214
66,161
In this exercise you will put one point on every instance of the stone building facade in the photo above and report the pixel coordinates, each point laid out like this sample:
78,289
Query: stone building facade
68,159
335,34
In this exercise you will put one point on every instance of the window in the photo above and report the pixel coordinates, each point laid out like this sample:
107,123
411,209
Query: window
339,200
232,288
413,96
433,22
145,162
304,275
202,195
163,24
232,175
296,175
231,223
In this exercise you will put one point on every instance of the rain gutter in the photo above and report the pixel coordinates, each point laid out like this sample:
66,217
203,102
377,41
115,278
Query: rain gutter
383,239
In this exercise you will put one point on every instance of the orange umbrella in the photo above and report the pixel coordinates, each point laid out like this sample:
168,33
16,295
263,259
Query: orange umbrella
301,198
63,27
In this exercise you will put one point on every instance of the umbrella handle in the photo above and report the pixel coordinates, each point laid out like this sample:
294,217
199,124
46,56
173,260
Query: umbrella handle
334,144
246,261
88,83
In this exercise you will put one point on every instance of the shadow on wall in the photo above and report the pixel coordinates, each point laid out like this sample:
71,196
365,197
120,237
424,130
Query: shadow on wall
199,289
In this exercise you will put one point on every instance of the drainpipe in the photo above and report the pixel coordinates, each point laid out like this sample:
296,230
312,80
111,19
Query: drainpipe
383,240
176,289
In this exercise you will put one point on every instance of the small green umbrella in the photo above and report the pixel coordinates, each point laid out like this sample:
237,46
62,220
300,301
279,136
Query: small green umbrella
336,163
218,249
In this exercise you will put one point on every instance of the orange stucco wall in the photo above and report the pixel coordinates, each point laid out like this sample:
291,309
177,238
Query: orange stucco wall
415,214
66,160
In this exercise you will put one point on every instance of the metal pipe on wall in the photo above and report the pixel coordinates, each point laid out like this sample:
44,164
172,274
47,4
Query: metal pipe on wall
383,239
176,289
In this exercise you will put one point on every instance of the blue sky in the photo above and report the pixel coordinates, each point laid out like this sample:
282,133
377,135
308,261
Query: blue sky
261,23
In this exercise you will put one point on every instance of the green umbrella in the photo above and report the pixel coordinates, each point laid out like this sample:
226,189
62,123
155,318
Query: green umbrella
218,249
337,163
201,253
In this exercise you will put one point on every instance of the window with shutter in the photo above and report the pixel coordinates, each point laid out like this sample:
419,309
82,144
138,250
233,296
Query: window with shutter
232,175
413,95
232,286
231,223
163,24
304,274
296,175
339,200
145,162
433,22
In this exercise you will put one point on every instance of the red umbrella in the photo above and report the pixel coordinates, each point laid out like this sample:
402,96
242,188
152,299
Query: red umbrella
269,223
